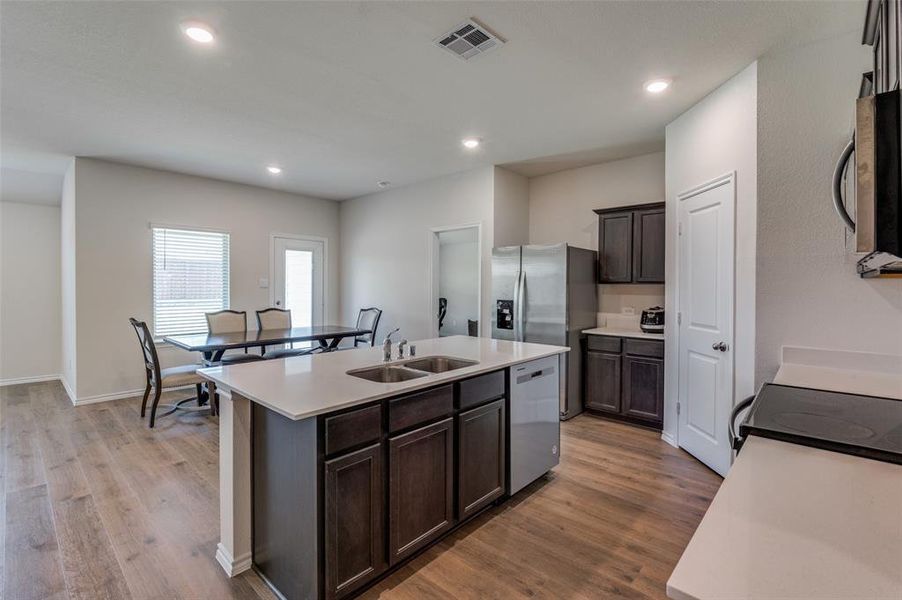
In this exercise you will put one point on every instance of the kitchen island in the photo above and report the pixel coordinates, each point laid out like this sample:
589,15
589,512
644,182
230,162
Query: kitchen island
329,480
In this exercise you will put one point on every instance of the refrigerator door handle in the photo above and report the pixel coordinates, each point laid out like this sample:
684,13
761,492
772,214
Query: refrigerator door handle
516,314
521,306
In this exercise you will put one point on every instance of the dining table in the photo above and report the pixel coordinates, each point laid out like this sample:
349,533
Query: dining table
213,346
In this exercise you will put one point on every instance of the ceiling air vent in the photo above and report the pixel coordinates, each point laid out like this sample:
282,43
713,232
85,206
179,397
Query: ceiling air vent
469,39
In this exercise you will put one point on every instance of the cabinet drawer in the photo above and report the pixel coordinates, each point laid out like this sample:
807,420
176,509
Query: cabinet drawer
353,428
419,408
603,343
477,390
653,348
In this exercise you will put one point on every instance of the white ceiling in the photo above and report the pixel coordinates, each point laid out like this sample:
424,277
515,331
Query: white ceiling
345,94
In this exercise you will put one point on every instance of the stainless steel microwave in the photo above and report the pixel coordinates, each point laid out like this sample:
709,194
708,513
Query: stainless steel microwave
876,180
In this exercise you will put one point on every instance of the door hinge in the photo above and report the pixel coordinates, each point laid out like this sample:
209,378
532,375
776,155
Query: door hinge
679,318
678,409
680,228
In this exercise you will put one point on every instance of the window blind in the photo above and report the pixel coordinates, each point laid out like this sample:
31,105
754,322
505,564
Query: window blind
190,278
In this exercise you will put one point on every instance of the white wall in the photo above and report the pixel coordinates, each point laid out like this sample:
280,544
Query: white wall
715,137
561,205
808,290
386,241
114,207
69,360
30,334
511,212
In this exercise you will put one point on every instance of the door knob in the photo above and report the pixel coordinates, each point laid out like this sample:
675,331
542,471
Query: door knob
720,346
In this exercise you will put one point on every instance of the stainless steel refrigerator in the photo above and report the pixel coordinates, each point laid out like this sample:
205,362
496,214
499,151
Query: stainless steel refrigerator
547,295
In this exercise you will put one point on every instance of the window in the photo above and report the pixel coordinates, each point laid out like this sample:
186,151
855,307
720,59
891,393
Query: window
190,278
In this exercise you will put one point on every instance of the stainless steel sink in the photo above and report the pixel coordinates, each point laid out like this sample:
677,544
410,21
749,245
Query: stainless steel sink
387,373
439,364
411,369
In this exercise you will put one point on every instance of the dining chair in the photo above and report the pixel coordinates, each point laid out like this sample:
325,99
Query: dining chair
230,321
368,318
278,318
161,379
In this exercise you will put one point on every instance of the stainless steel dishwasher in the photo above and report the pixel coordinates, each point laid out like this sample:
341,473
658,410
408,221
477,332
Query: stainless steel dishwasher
535,420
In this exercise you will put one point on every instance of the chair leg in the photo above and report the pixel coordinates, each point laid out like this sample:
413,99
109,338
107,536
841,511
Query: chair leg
153,406
214,400
200,393
146,395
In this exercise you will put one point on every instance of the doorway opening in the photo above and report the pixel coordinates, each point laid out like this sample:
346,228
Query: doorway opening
456,280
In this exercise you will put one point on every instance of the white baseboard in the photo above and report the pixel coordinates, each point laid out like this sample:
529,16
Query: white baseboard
69,391
120,395
107,397
35,379
231,565
86,399
669,439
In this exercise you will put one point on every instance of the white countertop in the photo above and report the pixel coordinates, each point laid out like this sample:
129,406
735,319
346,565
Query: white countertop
305,386
796,522
624,332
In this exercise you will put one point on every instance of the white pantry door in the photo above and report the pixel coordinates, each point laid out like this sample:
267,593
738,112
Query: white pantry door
705,320
298,279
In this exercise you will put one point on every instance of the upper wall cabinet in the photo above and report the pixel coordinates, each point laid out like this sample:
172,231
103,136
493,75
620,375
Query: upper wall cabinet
631,244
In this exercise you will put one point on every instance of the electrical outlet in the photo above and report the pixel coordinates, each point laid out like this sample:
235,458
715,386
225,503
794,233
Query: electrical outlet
264,282
628,310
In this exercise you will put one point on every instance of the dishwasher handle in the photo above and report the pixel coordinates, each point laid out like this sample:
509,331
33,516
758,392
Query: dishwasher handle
527,377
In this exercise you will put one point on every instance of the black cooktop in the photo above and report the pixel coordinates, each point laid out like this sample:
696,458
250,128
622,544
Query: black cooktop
865,426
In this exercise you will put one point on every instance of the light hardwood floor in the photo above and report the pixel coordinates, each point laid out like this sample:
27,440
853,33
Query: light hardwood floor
95,505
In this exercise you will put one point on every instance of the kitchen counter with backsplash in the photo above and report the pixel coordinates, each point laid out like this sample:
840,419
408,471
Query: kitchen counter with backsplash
621,325
791,521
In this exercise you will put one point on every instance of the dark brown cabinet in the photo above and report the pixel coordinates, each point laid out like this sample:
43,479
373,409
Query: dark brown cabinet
648,246
615,243
643,388
421,487
603,379
631,244
481,468
624,378
353,537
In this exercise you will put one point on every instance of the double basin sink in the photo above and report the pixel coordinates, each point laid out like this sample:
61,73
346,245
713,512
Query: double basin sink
412,369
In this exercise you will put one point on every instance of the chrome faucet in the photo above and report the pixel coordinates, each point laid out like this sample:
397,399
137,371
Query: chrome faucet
401,345
386,345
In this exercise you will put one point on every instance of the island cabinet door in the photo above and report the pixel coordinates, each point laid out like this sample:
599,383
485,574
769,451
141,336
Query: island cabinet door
481,469
354,536
421,487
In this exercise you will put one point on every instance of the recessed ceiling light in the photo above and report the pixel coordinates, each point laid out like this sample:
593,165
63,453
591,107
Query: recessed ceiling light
384,184
656,86
199,32
471,143
273,169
